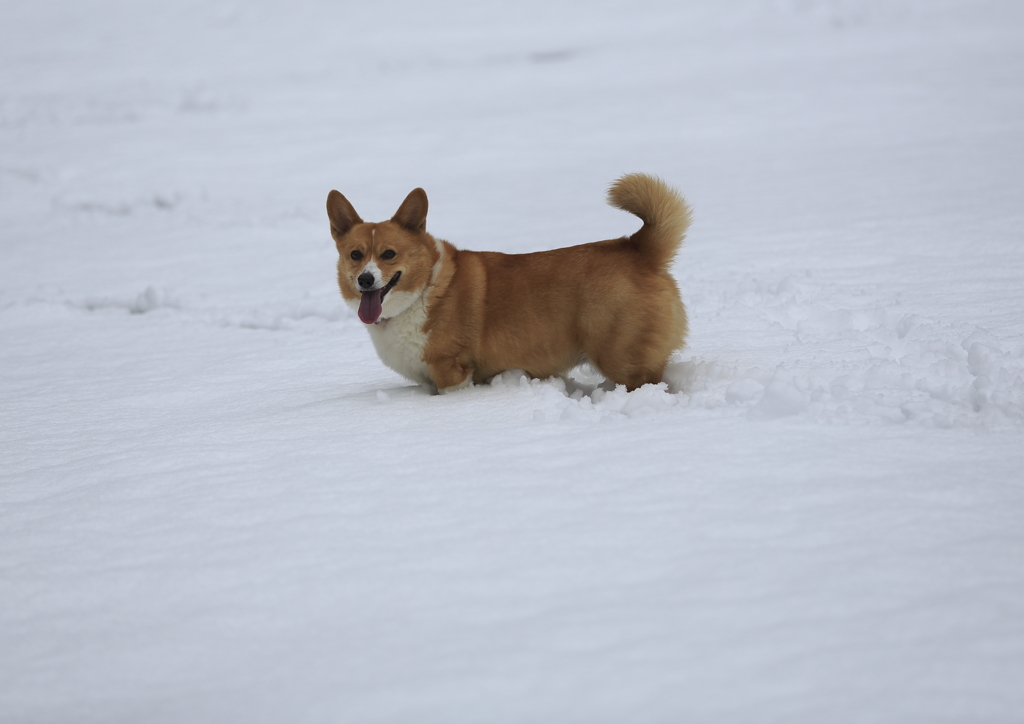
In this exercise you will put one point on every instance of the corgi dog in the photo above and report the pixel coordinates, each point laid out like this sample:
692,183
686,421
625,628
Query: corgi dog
447,317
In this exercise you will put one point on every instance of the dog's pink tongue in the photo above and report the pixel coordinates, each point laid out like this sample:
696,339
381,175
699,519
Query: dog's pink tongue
369,306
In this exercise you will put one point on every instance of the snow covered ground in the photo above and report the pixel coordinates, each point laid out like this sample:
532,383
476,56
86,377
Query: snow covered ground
218,505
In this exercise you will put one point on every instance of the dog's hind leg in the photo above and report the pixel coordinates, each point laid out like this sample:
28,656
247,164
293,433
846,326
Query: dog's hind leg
631,373
634,356
450,377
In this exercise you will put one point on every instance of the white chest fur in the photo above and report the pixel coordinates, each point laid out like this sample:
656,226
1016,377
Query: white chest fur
400,340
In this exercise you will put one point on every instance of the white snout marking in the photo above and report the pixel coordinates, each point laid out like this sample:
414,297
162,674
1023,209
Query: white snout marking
372,268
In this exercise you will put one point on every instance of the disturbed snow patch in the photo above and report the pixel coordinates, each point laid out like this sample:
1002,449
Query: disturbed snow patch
858,366
145,301
577,398
853,361
976,383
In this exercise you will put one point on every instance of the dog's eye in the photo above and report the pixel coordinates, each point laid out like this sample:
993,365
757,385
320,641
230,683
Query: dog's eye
356,255
389,254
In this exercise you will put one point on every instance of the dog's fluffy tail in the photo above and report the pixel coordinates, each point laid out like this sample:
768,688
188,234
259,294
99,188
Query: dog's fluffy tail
665,214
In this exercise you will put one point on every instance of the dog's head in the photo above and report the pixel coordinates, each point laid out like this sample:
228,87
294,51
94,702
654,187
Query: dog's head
382,267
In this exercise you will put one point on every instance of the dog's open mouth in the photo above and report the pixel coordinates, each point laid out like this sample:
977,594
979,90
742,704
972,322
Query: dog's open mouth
370,304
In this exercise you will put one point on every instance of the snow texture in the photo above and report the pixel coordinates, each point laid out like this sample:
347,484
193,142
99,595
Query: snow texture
218,505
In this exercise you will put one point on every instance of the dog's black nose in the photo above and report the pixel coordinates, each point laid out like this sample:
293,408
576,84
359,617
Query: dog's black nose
365,280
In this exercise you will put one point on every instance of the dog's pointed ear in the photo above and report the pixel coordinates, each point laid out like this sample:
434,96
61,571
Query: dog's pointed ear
343,217
412,214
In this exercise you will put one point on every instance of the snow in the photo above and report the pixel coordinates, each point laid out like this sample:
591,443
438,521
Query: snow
218,504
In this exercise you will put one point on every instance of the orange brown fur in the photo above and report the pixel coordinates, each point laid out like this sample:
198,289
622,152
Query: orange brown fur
612,302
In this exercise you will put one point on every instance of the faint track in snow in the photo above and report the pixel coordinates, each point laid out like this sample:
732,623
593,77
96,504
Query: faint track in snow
269,317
